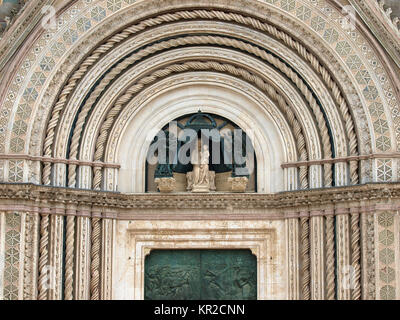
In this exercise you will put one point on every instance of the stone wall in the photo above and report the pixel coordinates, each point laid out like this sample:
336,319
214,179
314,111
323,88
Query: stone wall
316,244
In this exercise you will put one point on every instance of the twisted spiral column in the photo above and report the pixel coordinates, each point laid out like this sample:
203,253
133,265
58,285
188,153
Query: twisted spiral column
305,257
43,257
354,178
97,178
356,255
343,249
69,258
205,14
196,65
303,173
29,248
72,174
95,259
330,257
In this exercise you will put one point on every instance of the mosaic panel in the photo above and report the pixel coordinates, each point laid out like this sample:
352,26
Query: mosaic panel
385,172
15,171
398,170
12,251
387,274
370,258
359,57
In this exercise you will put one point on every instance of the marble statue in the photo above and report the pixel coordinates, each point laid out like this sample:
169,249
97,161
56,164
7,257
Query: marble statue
204,178
199,179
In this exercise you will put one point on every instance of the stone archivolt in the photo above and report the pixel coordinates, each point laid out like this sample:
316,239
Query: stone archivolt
326,106
192,40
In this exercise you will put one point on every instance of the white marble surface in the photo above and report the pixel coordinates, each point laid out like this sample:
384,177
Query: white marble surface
136,239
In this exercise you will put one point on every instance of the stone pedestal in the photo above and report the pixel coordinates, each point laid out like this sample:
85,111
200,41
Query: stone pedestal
238,184
201,188
165,185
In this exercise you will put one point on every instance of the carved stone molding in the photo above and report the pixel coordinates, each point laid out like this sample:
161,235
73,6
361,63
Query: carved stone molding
317,238
115,205
343,263
142,241
82,265
56,256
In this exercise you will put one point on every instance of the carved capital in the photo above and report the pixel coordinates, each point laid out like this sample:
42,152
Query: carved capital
238,184
165,185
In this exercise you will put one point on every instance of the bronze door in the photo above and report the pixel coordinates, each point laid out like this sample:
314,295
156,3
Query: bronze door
201,275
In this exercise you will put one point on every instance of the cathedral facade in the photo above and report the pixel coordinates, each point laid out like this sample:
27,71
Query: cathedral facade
199,149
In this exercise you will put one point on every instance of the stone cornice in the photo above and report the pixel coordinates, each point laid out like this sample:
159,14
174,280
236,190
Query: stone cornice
55,200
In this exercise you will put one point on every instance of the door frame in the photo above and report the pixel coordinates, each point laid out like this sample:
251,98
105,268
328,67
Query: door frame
259,241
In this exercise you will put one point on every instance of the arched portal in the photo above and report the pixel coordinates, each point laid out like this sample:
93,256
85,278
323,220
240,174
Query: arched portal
168,105
86,86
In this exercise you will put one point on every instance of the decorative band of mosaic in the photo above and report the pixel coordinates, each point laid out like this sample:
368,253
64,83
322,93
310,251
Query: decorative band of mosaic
58,160
100,164
393,155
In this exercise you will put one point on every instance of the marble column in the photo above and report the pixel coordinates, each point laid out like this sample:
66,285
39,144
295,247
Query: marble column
83,239
70,251
317,236
305,255
293,255
344,268
317,255
108,237
355,253
45,269
330,254
108,226
56,255
82,258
